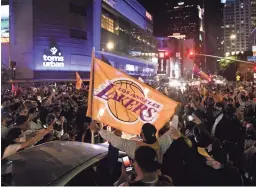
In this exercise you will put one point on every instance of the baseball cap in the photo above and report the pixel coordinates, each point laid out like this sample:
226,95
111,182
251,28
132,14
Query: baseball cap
149,132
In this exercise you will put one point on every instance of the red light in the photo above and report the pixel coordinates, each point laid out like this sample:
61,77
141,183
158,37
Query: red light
254,68
166,53
191,53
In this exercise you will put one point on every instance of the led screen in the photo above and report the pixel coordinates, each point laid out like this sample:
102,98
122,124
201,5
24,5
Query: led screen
4,12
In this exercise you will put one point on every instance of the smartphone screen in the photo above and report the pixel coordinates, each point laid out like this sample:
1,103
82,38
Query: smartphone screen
190,118
127,163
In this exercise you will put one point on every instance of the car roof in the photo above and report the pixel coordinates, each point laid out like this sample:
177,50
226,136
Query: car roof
43,164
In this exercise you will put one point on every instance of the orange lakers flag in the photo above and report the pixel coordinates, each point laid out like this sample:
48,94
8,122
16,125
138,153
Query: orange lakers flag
125,103
79,81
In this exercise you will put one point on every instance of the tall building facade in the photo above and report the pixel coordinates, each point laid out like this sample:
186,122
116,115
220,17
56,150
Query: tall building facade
253,21
188,19
54,40
239,21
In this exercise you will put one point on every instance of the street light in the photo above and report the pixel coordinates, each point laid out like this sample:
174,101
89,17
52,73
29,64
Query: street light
232,36
110,45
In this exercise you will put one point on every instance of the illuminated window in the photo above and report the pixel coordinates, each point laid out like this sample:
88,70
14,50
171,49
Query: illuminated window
107,23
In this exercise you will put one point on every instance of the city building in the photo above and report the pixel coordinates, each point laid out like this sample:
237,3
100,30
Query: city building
252,40
239,21
178,62
220,38
187,19
54,40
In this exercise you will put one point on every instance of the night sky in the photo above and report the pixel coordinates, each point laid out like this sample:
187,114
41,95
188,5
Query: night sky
213,14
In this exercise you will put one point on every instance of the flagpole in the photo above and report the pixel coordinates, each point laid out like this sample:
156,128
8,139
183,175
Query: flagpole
92,91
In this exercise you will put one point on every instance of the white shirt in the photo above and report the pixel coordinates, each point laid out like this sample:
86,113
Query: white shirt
216,124
34,126
11,149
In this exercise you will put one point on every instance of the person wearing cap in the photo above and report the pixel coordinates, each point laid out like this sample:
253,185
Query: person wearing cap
222,172
148,135
61,120
145,168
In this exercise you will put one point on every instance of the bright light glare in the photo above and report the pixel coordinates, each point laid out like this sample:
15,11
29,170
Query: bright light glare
232,36
101,112
146,90
219,81
195,83
174,83
110,45
161,55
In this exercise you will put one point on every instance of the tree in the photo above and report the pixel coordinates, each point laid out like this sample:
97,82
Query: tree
225,62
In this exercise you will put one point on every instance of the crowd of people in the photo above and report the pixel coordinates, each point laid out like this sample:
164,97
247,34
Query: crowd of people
211,139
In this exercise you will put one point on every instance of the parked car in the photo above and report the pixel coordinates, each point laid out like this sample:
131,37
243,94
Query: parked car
56,163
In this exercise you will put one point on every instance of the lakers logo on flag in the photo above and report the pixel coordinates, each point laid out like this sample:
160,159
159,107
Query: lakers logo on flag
127,102
124,102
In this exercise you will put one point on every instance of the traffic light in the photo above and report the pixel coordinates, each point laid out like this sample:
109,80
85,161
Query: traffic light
254,68
13,69
161,54
13,64
191,54
164,54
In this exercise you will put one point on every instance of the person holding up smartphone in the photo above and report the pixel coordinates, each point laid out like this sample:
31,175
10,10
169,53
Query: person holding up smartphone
144,169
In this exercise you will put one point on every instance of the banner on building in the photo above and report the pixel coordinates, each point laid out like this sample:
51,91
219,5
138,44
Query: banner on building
162,62
125,103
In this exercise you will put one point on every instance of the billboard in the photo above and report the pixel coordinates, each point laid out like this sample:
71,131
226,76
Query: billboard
4,12
254,50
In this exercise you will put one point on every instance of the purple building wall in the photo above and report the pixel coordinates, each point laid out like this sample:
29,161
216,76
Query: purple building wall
53,30
37,27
